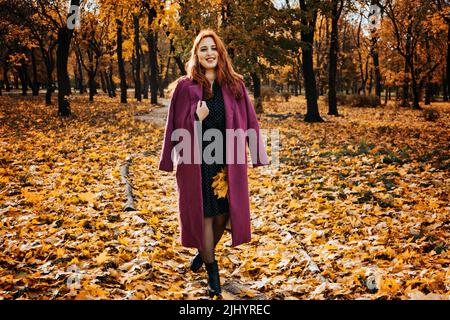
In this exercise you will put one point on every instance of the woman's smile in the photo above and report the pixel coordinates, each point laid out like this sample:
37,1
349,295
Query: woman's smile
207,53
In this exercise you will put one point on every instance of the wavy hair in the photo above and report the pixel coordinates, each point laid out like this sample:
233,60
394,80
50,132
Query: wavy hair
225,74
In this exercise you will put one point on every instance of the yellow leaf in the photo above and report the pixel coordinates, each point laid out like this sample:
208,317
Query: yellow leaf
87,197
31,197
220,184
330,247
60,252
102,257
123,240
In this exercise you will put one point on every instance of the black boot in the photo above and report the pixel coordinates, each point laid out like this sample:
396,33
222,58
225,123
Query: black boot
213,279
196,262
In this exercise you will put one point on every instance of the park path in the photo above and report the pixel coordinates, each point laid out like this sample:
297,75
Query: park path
156,114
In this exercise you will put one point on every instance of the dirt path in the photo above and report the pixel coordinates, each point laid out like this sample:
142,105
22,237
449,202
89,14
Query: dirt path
157,114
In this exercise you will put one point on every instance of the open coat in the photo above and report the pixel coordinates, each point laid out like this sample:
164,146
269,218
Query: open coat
239,114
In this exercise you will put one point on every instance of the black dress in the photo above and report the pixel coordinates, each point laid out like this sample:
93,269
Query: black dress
213,206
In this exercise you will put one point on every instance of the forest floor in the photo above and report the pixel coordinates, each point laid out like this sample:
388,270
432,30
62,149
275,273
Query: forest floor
357,209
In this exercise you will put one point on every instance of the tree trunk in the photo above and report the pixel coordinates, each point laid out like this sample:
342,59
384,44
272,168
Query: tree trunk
80,70
146,75
62,55
405,88
16,80
445,91
137,67
110,79
361,66
180,65
22,71
108,84
376,62
428,76
48,93
257,92
146,86
307,36
415,89
49,65
334,49
120,62
370,82
92,86
103,81
447,80
318,47
296,79
153,58
5,75
35,84
408,57
165,81
386,94
160,87
428,91
75,78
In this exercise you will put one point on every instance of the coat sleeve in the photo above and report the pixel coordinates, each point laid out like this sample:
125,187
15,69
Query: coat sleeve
166,161
258,151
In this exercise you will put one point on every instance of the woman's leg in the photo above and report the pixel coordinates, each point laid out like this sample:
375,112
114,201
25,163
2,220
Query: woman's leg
219,224
208,237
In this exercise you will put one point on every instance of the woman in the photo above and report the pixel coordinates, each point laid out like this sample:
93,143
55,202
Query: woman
211,96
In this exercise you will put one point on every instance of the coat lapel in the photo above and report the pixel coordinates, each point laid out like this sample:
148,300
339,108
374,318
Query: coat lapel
195,94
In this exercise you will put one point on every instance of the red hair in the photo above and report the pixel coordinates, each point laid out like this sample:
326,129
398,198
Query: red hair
225,74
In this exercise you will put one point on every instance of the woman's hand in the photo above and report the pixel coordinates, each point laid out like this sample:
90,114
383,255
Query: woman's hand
202,110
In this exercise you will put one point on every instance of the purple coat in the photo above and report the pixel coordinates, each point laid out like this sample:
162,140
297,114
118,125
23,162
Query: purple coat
239,114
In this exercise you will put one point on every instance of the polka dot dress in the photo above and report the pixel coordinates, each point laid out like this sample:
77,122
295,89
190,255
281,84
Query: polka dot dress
213,206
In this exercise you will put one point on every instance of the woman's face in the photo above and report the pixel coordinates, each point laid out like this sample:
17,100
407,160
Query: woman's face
207,53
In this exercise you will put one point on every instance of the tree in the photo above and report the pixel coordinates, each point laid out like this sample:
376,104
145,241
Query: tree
120,62
21,13
309,10
336,9
62,55
52,13
443,8
251,29
91,38
374,17
407,22
137,55
152,47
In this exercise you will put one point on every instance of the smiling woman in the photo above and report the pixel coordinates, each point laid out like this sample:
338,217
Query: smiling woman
213,97
207,55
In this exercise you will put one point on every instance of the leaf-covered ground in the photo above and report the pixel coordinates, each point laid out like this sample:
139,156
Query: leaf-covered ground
358,208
